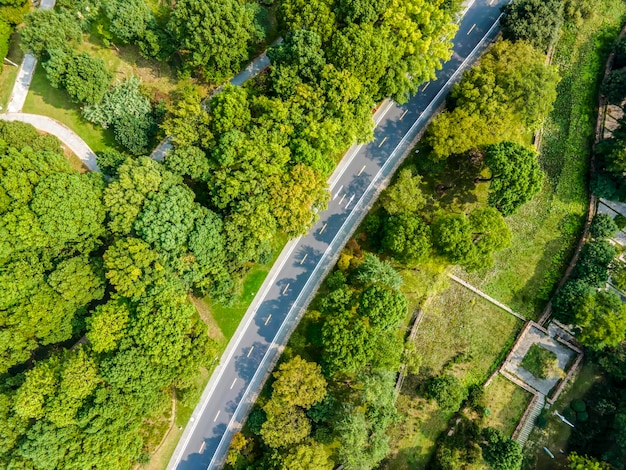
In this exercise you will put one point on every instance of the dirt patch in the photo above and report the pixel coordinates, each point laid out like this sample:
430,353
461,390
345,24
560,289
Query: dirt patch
203,310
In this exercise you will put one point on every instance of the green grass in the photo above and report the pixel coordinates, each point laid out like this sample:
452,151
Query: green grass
48,101
539,361
229,316
456,322
506,403
9,72
545,231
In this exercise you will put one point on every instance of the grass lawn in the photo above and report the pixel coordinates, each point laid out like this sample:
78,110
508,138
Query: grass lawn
506,403
9,72
539,361
468,336
229,316
545,230
43,99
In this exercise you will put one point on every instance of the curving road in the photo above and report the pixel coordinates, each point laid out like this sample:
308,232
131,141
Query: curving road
300,268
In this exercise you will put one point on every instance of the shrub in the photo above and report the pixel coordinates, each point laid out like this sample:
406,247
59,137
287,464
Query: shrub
614,86
620,221
578,405
447,391
582,416
603,226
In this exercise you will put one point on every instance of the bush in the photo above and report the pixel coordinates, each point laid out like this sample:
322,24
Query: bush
620,221
447,391
578,405
614,86
603,226
582,416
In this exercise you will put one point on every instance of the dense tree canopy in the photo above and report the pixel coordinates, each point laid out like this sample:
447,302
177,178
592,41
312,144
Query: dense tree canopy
50,30
212,37
508,93
535,21
88,370
515,176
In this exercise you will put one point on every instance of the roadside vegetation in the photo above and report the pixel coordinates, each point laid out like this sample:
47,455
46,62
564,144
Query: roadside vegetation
97,268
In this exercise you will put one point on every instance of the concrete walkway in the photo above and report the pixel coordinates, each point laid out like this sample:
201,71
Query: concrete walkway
25,73
66,135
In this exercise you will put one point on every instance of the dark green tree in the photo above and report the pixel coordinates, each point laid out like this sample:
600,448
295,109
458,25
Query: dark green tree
213,38
535,21
500,451
515,176
407,237
447,391
603,226
614,86
383,307
48,30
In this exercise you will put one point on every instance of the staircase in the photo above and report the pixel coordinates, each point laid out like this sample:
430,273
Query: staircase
528,420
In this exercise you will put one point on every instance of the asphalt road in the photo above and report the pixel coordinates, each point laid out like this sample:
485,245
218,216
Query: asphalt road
303,263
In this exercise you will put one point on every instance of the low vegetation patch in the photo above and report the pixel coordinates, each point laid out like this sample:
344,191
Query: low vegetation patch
540,362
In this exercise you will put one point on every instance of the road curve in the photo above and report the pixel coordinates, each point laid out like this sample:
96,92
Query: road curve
300,268
66,135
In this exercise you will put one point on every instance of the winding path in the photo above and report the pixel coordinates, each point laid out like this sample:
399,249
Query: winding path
66,135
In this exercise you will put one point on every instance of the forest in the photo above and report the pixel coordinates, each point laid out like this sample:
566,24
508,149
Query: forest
97,329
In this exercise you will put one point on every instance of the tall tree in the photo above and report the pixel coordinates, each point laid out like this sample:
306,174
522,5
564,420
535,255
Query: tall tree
535,21
213,38
515,176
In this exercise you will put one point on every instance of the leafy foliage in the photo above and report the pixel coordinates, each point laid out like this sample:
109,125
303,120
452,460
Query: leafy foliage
515,176
500,451
212,37
447,391
508,93
603,226
49,30
535,21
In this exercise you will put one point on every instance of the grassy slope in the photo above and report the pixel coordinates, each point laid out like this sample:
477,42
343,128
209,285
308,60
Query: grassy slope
455,321
545,230
9,72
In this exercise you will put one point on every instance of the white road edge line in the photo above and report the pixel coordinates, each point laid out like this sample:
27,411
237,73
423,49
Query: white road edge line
459,69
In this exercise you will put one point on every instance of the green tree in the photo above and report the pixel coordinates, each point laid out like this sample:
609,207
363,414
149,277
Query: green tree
383,307
316,16
48,30
583,462
299,383
84,77
131,267
69,208
212,38
614,86
107,325
569,298
404,195
603,226
5,36
515,176
508,93
447,391
535,21
307,457
128,20
284,426
374,271
297,196
601,320
347,344
500,451
407,237
134,132
452,237
188,161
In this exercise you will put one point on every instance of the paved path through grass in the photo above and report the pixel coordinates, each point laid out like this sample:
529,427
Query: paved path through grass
485,296
25,73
